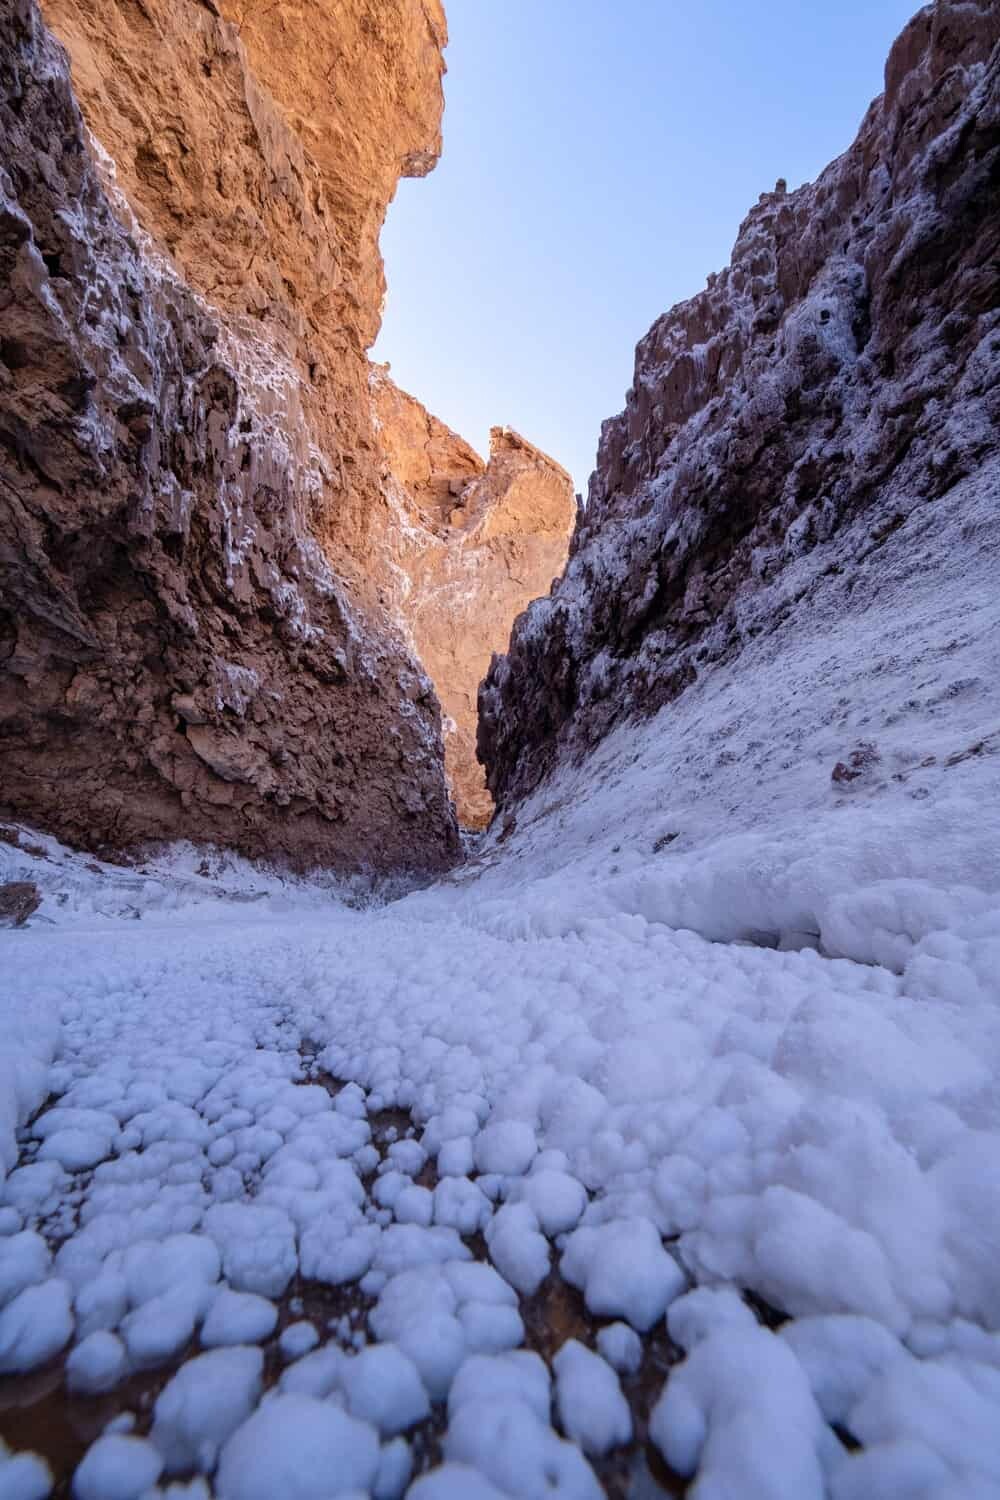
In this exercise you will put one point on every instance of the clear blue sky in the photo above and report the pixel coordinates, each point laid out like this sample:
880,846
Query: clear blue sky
598,158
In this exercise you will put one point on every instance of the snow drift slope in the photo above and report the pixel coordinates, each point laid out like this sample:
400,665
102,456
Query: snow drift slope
839,784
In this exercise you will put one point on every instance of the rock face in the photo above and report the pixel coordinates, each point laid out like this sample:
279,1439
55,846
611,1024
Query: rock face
798,419
475,543
259,145
177,657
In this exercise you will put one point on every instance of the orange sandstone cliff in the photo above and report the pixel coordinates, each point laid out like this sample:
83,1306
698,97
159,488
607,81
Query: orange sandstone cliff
475,545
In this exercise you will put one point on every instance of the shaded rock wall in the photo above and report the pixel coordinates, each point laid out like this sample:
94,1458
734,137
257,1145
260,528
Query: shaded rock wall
789,423
474,544
176,656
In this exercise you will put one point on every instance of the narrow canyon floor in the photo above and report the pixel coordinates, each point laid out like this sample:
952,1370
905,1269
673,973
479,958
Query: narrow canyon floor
514,1185
652,1146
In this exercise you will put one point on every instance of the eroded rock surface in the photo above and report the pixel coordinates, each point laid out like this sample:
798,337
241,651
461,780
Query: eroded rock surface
790,429
177,657
475,543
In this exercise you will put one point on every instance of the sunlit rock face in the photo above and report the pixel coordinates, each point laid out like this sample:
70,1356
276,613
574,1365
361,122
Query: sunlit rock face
798,435
192,496
474,544
259,146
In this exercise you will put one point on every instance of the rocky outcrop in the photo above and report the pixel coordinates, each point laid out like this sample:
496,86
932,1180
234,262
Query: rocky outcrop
791,422
474,543
177,656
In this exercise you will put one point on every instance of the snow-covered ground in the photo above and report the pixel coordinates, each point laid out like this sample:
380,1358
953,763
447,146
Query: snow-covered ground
341,1194
586,1089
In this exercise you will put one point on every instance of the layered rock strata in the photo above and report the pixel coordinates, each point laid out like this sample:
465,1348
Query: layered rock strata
789,430
474,545
177,657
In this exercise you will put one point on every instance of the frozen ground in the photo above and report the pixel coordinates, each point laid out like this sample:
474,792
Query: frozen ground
660,1140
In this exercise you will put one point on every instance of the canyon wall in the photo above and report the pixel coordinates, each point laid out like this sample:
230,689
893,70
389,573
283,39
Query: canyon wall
475,544
178,658
792,431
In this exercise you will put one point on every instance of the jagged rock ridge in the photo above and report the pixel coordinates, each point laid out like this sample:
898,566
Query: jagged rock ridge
795,418
474,545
